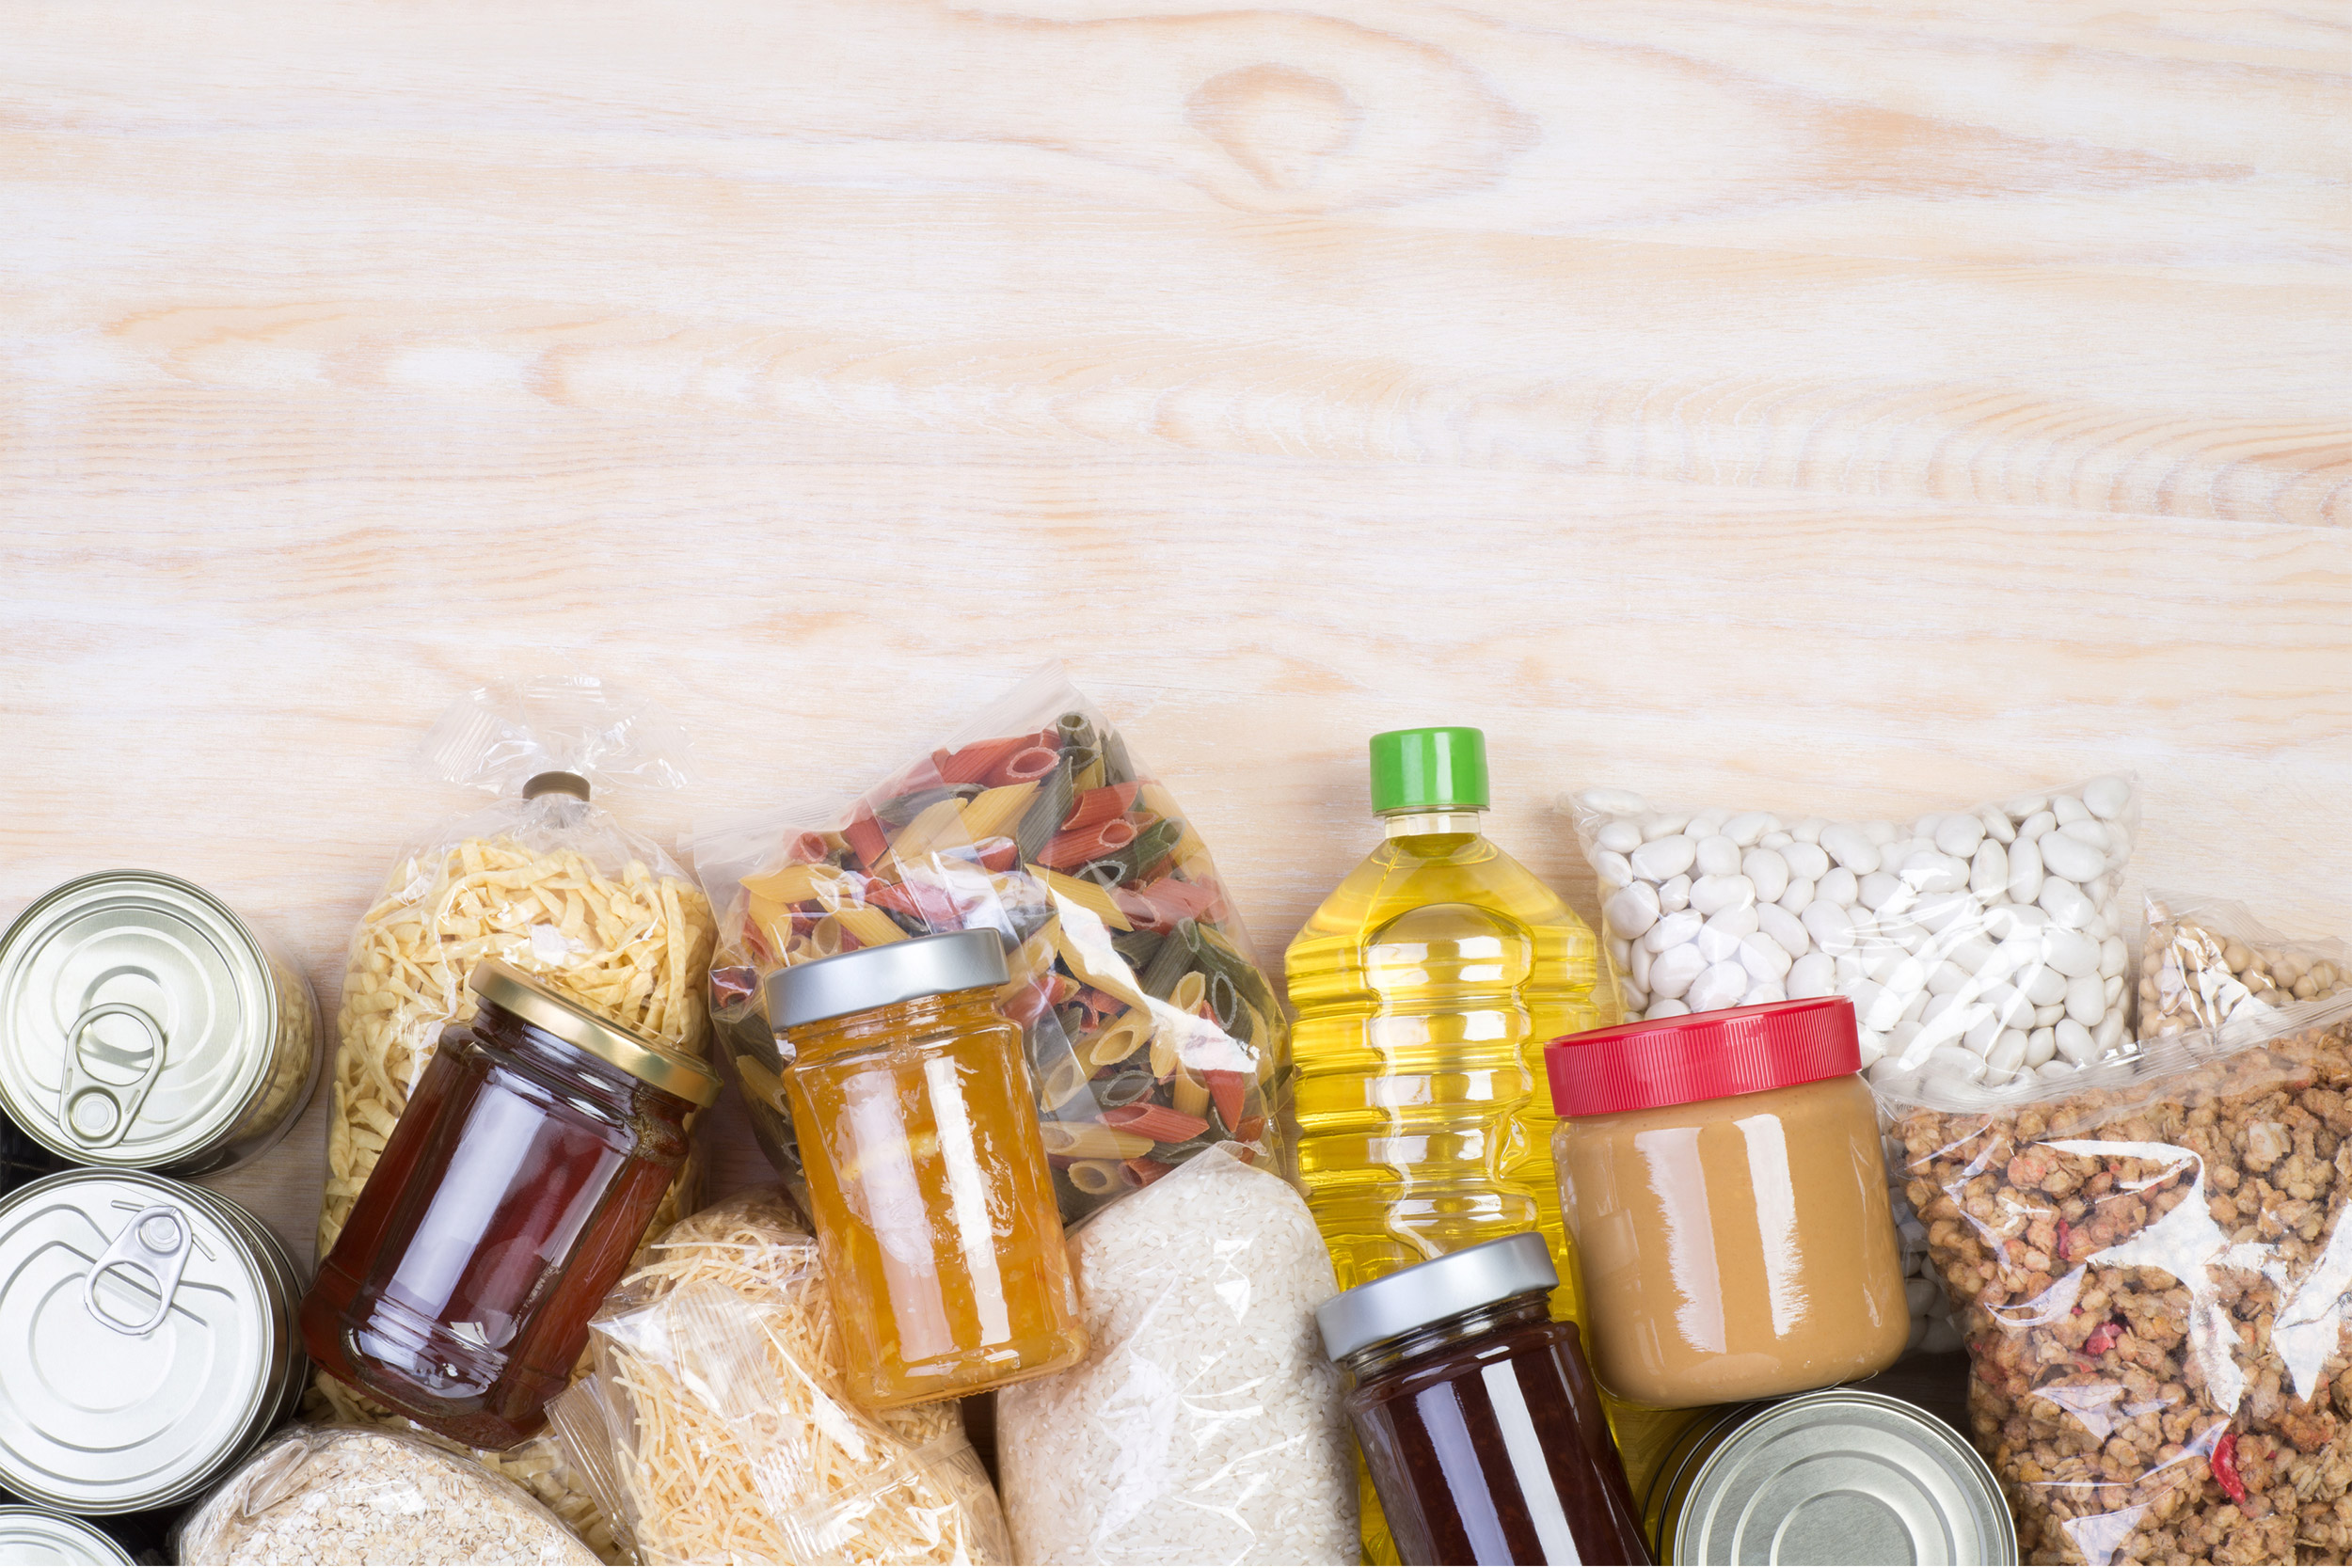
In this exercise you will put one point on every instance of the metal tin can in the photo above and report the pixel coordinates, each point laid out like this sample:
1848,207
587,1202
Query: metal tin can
1841,1476
143,1025
35,1535
147,1339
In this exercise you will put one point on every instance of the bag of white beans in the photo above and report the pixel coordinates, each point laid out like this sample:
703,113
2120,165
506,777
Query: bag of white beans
1990,941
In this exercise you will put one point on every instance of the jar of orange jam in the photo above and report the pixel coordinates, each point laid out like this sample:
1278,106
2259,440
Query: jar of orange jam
928,1182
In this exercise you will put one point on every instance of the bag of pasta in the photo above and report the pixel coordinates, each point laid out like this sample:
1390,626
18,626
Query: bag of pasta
1151,1032
2150,1259
2209,962
717,1430
548,879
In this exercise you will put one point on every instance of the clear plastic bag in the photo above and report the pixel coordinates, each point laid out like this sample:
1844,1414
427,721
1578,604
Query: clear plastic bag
1205,1424
2151,1259
2208,962
716,1429
349,1494
549,881
1961,937
1151,1032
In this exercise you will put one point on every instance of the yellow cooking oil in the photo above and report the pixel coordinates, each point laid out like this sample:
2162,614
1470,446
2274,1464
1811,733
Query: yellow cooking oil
1426,986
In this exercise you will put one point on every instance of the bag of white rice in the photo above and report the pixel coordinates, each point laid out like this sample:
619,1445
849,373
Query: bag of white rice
1205,1424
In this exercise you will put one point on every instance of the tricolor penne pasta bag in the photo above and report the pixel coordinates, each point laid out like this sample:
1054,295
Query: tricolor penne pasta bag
717,1428
1151,1032
548,879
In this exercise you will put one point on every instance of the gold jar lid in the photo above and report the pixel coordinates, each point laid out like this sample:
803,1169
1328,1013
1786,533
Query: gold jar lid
673,1072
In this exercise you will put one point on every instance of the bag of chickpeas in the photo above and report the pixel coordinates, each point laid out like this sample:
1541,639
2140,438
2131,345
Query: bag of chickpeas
2208,963
2150,1261
550,880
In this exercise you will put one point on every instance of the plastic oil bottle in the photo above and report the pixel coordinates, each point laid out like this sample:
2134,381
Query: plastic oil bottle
1426,986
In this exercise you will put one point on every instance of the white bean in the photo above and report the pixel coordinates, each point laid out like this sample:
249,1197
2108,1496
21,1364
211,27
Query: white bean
1662,857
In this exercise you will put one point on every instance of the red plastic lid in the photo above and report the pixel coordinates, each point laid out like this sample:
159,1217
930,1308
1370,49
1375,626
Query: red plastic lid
1678,1061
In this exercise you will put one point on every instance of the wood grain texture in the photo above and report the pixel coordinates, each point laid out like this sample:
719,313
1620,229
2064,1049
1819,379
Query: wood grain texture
1801,403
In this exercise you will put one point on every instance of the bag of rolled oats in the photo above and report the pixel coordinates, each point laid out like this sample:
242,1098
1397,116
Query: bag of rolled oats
2149,1261
548,879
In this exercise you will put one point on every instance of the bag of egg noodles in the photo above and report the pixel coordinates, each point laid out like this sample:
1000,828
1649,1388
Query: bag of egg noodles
1988,942
550,879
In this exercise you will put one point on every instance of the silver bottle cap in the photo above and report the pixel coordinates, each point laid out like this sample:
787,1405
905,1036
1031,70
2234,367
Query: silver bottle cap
138,1021
878,976
147,1339
1427,1292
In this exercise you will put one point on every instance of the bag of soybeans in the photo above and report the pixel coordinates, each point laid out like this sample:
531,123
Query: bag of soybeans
548,879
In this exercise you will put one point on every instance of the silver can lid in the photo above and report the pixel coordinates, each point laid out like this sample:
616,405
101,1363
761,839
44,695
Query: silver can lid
878,976
36,1536
1427,1292
138,1018
145,1342
1841,1477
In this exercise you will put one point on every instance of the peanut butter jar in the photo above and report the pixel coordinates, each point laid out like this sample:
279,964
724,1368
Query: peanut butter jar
1721,1172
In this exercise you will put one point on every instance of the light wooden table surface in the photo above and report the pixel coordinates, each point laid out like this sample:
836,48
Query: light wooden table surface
1805,402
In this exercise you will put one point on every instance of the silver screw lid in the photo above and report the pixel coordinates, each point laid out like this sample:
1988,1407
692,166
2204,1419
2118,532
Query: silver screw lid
878,976
146,1340
138,1018
35,1535
1426,1293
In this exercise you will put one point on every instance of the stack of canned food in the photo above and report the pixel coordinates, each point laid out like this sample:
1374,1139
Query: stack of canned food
148,1337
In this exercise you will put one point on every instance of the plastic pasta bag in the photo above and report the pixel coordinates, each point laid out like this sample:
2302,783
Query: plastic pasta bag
716,1429
348,1495
1205,1424
2208,962
2151,1259
1151,1032
551,883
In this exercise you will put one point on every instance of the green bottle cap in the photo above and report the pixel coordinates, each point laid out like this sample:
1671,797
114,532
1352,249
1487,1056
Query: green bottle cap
1439,770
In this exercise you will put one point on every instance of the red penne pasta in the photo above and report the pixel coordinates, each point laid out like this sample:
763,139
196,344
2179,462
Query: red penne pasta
974,763
927,901
999,854
1248,1129
1033,761
867,837
1144,1171
1161,904
1227,1091
1067,851
1160,1123
1100,805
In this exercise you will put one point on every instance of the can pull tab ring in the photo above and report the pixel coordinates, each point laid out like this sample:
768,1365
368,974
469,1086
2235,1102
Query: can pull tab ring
156,1244
82,1085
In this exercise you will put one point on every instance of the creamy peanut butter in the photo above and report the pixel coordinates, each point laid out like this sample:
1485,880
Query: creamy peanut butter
1735,1248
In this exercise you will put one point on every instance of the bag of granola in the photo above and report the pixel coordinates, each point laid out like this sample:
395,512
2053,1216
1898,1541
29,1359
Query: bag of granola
550,880
2150,1259
1149,1031
2208,962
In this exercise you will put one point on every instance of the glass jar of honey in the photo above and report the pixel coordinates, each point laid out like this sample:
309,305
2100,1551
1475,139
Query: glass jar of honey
508,1200
928,1182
